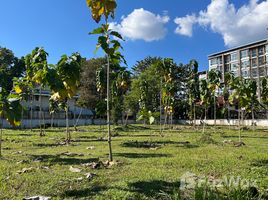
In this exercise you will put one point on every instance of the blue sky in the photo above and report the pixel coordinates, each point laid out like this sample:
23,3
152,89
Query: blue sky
203,27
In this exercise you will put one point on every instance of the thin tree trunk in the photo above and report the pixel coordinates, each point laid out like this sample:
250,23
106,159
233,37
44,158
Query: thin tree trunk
228,113
160,109
21,123
78,118
204,123
1,134
253,117
40,112
239,126
52,120
126,120
194,117
108,111
68,139
215,112
31,112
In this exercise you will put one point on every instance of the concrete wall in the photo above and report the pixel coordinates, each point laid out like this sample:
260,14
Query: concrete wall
225,122
61,122
26,123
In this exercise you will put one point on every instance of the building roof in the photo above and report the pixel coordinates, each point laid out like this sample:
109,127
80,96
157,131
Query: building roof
238,47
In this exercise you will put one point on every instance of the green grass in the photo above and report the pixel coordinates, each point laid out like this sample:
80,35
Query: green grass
150,165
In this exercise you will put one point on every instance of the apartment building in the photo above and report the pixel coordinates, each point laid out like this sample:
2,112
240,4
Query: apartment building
248,61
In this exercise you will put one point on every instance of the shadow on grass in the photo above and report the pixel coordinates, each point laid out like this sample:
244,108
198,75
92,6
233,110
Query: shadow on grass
154,144
246,136
47,145
152,189
142,155
260,163
57,159
86,193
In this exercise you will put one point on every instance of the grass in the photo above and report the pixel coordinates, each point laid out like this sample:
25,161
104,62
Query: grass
150,165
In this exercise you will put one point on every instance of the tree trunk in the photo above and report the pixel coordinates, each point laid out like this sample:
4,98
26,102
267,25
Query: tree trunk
228,113
31,112
160,109
252,117
205,118
126,120
40,112
77,120
215,111
1,134
68,136
52,120
239,126
194,117
108,111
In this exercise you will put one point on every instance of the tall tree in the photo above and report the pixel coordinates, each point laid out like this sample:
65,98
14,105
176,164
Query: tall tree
144,64
109,46
89,96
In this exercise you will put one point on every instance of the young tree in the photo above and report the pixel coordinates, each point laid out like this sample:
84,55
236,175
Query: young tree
193,88
214,84
264,94
205,94
110,47
63,80
228,78
10,109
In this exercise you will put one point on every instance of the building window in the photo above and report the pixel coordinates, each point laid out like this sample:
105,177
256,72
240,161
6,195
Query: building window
253,53
266,48
235,73
254,73
244,53
262,71
36,98
213,61
245,73
227,59
254,62
261,61
245,64
234,66
227,68
233,56
261,51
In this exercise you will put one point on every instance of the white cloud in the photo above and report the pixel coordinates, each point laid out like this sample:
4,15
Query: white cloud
142,25
185,25
236,25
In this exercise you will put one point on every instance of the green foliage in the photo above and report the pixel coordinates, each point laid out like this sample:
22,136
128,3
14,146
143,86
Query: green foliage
64,78
10,67
101,7
10,109
89,95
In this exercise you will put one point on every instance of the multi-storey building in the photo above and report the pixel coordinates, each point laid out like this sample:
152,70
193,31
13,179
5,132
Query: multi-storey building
248,61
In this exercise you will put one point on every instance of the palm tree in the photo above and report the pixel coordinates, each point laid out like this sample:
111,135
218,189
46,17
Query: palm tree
214,85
